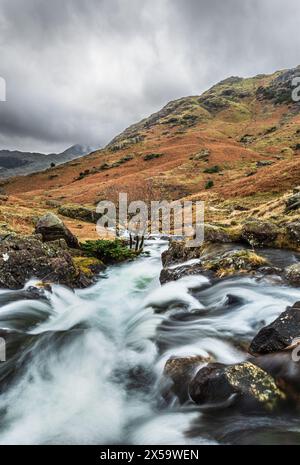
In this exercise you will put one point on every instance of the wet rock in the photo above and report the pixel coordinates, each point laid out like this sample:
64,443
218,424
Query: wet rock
173,274
181,371
284,367
78,212
260,233
292,203
245,384
234,262
278,335
293,232
52,228
26,257
292,274
213,260
178,253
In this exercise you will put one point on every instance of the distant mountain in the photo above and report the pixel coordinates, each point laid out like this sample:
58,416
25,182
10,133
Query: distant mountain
14,162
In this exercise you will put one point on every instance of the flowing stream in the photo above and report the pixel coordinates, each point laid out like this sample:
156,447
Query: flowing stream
86,367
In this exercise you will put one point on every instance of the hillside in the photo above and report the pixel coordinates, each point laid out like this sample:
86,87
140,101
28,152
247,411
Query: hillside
238,143
21,163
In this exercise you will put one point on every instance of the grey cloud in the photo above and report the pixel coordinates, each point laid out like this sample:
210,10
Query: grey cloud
82,70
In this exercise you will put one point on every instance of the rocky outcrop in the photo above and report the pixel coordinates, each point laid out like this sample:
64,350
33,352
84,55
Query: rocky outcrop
52,228
244,384
26,257
260,233
278,335
217,234
78,212
213,260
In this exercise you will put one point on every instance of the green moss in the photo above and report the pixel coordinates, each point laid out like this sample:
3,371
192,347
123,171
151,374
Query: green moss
87,265
259,384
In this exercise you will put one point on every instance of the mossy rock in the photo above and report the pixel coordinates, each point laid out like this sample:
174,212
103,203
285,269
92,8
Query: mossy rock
231,262
245,384
89,266
260,233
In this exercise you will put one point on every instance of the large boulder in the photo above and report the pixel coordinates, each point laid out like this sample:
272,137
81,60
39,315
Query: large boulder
78,212
278,335
234,262
244,384
292,203
26,257
293,232
260,233
214,233
52,228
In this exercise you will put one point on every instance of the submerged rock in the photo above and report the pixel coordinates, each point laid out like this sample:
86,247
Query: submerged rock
244,383
278,335
52,228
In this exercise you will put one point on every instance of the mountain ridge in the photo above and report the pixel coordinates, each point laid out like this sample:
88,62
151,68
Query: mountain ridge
236,143
17,162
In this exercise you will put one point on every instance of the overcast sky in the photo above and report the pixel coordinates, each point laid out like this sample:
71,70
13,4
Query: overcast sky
83,70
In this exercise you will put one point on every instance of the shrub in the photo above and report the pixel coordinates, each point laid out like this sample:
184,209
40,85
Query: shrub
108,251
213,169
152,156
209,184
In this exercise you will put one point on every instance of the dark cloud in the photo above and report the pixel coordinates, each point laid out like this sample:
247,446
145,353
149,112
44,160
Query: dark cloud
82,70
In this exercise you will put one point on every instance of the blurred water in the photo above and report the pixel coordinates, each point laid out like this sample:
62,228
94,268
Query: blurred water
85,367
